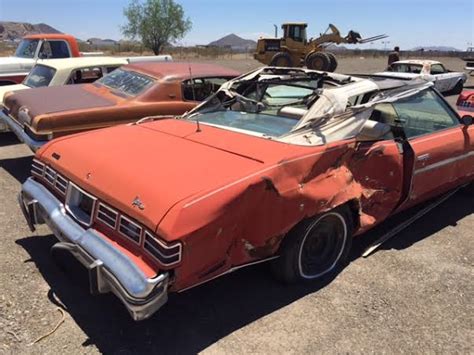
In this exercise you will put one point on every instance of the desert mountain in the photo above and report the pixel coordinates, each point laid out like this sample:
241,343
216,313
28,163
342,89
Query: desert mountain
436,49
235,42
11,31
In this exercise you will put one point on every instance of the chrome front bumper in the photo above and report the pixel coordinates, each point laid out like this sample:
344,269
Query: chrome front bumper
19,131
109,269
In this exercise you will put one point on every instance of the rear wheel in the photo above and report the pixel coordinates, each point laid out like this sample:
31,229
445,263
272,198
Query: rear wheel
318,61
316,248
281,59
332,61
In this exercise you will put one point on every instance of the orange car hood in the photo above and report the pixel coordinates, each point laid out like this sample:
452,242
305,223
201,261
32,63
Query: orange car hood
161,162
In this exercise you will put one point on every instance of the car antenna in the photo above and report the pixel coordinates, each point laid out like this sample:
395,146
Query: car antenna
198,128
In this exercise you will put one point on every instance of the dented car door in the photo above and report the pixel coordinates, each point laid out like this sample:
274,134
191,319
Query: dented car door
438,140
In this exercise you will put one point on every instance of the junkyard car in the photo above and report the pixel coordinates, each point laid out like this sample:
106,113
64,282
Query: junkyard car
465,103
125,95
282,164
430,70
56,72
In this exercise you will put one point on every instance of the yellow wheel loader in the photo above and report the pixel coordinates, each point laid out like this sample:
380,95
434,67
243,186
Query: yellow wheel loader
295,50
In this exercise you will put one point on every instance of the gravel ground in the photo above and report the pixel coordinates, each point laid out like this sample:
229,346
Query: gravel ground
413,295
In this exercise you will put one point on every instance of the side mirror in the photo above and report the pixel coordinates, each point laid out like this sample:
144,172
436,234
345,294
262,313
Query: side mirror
467,120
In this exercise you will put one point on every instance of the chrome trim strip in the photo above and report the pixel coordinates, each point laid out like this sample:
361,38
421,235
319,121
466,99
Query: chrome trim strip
443,163
229,271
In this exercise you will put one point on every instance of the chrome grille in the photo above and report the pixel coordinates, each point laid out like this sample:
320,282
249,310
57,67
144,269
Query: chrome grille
166,255
130,229
107,216
37,168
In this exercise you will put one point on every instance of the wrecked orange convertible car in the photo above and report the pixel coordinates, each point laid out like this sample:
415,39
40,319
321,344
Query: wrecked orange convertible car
280,165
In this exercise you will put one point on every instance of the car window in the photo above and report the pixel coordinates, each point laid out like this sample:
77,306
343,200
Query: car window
112,68
39,76
54,49
407,68
437,69
199,89
27,48
126,81
274,96
85,75
424,113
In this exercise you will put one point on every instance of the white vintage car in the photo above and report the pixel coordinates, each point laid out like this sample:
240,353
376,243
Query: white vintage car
444,80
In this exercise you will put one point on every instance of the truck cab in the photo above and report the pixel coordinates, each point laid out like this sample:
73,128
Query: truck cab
31,48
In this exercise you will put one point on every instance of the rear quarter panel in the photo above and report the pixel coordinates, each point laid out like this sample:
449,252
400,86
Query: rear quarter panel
245,220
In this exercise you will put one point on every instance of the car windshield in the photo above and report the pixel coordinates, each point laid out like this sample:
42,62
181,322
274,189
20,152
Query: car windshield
27,48
268,108
127,82
407,68
39,76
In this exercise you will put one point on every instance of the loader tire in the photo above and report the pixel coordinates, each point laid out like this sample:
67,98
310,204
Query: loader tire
281,59
332,61
318,61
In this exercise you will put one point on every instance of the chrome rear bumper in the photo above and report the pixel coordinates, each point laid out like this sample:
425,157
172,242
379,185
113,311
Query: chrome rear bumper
19,131
109,269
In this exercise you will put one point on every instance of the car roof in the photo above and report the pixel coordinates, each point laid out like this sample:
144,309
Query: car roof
79,62
49,36
417,61
181,70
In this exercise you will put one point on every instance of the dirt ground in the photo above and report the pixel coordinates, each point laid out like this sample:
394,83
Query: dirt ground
415,295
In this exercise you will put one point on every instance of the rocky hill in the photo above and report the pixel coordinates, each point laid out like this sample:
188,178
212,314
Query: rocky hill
13,31
234,42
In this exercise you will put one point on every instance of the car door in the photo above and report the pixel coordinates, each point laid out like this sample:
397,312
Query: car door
442,146
444,81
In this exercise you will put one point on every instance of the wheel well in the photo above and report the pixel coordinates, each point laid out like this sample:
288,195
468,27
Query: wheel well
6,82
353,207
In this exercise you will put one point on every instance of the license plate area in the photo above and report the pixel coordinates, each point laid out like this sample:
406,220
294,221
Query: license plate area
80,204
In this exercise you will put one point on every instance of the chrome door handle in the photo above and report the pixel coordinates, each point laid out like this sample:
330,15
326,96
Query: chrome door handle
423,157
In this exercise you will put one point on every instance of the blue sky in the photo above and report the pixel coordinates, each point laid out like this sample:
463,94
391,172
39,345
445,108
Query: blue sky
409,23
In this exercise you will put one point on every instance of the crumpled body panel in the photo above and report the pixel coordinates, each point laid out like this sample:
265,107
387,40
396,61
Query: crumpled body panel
247,220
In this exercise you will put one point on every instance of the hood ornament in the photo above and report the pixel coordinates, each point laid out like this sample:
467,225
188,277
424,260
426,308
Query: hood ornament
138,203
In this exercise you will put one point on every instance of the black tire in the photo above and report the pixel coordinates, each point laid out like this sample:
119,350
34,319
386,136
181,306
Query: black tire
469,189
318,61
281,59
317,248
332,61
458,88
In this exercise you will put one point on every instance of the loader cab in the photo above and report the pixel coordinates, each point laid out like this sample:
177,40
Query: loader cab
295,31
